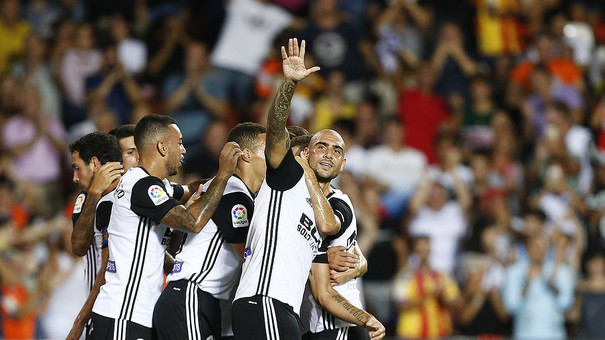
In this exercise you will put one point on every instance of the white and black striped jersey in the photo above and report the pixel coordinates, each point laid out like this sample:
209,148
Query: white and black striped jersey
208,258
321,319
283,238
137,242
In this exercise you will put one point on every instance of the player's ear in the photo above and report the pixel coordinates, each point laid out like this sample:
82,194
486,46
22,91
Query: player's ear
161,148
342,166
247,155
305,152
96,164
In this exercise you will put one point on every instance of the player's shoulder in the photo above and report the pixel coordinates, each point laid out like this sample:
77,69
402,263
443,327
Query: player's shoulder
237,185
337,194
133,175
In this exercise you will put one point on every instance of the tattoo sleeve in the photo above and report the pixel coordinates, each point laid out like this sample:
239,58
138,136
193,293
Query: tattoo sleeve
355,312
83,233
278,115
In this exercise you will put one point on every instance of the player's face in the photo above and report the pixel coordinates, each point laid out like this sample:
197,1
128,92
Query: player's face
82,172
259,165
326,155
175,150
130,155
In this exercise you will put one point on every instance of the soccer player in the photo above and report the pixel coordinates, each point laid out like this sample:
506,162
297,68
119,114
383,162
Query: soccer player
95,162
283,236
130,158
145,206
335,312
208,264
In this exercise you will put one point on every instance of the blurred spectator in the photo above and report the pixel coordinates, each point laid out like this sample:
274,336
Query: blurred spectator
423,112
113,85
251,26
79,62
335,42
477,116
131,52
449,156
395,167
13,33
203,162
41,15
537,293
34,142
564,69
443,220
590,299
424,297
100,118
61,42
332,105
167,40
483,312
498,27
33,70
398,37
452,64
356,154
195,95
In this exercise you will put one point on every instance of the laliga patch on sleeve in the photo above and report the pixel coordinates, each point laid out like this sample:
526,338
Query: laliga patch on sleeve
239,216
157,194
79,203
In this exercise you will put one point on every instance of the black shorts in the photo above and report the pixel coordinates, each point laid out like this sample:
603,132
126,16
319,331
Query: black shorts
263,318
345,333
109,329
184,311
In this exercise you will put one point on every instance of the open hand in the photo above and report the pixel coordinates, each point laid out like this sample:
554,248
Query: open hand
103,177
294,61
375,328
341,260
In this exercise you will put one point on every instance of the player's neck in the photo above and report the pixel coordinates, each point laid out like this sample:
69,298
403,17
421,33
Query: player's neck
250,180
153,167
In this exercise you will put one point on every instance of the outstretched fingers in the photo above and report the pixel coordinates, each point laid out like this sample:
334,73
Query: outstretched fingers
303,46
284,55
290,47
295,43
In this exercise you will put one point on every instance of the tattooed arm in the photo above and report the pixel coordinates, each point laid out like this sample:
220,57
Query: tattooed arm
82,235
195,217
333,302
278,140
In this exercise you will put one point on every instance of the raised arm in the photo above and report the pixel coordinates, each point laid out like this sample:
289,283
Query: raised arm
82,235
278,140
195,217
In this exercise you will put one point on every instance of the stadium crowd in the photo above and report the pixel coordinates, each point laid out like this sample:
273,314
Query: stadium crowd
474,131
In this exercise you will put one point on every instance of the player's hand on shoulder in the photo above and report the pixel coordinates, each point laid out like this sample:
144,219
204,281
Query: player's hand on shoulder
228,159
104,176
293,62
375,328
303,160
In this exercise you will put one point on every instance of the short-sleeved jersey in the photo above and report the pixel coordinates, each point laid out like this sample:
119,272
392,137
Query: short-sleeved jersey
321,319
283,238
208,258
137,243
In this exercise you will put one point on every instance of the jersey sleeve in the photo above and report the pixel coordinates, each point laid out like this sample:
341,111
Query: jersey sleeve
322,253
150,199
233,216
286,175
177,191
78,205
102,217
343,213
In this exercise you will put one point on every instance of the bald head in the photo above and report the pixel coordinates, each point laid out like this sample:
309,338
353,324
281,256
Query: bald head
328,134
150,130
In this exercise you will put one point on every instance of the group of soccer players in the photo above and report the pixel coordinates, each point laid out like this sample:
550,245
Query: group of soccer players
245,254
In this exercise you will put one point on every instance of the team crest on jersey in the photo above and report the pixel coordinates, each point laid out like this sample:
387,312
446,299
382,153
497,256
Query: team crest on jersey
157,194
79,203
239,216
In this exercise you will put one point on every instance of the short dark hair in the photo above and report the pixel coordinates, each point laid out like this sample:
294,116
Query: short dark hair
538,213
561,108
303,140
150,127
295,131
97,144
123,131
245,134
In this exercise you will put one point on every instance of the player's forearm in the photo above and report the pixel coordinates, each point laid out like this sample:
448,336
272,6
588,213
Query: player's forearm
204,208
342,308
83,232
324,214
277,135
